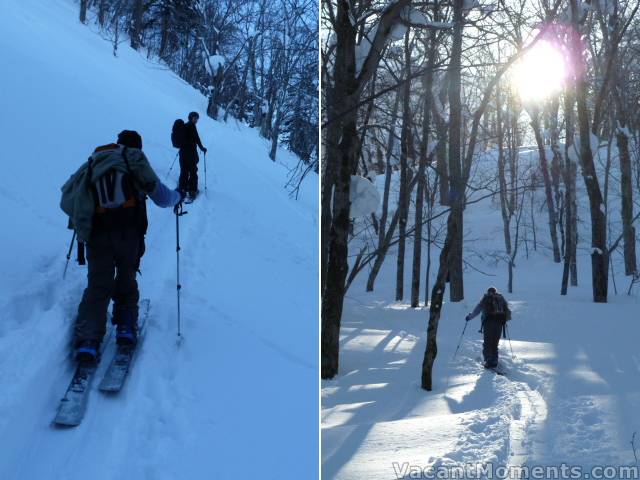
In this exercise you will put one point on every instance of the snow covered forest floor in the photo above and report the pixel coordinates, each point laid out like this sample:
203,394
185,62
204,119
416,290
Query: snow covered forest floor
571,393
249,276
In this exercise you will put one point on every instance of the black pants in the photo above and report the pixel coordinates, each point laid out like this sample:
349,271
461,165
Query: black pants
112,260
492,331
188,171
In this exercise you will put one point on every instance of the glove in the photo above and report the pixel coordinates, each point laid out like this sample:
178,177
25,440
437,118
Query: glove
467,318
204,150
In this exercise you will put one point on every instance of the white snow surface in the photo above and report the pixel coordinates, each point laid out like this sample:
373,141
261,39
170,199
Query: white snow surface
571,393
364,196
238,397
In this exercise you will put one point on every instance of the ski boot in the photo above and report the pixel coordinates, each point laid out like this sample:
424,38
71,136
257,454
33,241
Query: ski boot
126,321
88,351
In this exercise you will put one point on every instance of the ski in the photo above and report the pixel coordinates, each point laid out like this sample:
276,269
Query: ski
116,374
74,403
496,370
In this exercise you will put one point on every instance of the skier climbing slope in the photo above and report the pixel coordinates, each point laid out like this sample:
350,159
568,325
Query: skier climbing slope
227,393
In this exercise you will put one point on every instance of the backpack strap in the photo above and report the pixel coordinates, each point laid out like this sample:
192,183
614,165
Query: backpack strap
133,178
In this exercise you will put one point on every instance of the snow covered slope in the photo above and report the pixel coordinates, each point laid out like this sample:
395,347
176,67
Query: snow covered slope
571,393
238,398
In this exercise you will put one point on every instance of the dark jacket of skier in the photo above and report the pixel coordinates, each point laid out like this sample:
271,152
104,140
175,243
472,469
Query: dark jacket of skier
188,154
495,313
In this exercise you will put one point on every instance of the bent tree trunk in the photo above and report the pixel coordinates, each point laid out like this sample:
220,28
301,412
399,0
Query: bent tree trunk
382,230
437,296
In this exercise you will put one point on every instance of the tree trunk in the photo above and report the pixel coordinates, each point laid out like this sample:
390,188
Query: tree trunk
441,165
456,293
551,210
626,190
136,25
274,137
385,198
337,266
570,170
599,252
426,124
435,307
83,10
502,181
342,107
406,148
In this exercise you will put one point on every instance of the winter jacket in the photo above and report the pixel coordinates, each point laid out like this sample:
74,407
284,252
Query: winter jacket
77,199
191,138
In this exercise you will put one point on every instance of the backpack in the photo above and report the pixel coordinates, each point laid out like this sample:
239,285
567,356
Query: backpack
177,133
118,201
115,189
494,307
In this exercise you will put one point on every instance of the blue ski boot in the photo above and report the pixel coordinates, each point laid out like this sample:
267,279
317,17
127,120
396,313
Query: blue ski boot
126,321
87,351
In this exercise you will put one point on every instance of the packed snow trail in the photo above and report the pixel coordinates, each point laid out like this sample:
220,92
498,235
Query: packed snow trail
237,398
571,394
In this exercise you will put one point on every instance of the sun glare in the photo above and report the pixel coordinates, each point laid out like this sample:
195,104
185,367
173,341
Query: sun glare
540,73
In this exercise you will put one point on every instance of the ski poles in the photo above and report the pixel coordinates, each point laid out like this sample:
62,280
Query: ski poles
171,168
205,172
509,337
69,255
179,212
460,342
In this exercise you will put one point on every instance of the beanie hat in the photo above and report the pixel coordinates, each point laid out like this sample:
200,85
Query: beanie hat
130,138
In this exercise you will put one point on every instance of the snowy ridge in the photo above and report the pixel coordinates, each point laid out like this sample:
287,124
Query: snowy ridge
187,412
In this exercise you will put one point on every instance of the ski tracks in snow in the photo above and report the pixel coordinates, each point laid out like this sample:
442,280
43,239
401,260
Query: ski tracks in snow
502,413
375,414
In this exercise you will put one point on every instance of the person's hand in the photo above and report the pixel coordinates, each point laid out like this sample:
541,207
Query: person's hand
467,318
178,206
204,150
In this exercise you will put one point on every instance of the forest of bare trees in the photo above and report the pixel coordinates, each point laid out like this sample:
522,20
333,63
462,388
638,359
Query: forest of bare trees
424,92
255,60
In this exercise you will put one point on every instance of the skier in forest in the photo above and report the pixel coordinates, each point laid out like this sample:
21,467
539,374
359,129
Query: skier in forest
495,314
190,140
105,201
